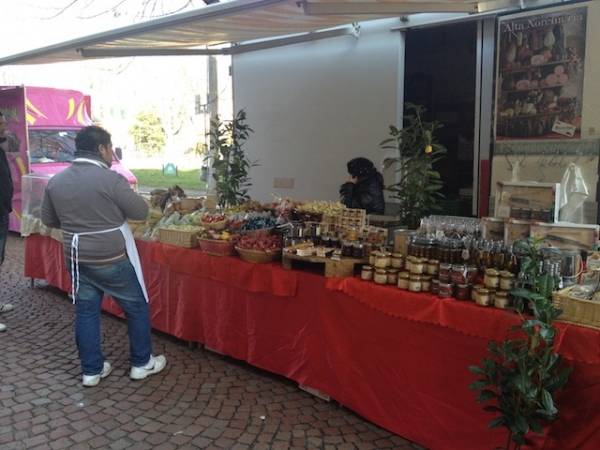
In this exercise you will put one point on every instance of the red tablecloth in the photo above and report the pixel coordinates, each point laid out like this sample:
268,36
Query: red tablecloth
396,358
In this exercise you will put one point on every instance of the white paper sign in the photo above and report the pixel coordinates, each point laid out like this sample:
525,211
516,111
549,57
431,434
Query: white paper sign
564,128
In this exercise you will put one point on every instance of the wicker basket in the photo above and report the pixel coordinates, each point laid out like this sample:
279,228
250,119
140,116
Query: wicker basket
218,226
259,256
578,311
217,247
187,239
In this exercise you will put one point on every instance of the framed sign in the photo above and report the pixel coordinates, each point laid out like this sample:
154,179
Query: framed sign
540,68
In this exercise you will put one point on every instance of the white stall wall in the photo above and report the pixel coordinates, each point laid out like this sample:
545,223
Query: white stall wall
316,105
590,122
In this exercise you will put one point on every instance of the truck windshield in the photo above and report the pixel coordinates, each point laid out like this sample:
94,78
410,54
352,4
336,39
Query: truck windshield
48,146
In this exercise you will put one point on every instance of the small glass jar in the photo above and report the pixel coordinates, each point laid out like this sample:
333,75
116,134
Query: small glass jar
397,261
483,297
507,280
357,250
380,276
474,291
372,258
392,276
408,263
382,260
435,286
433,267
366,273
491,279
458,274
426,283
444,272
445,290
403,280
347,248
462,292
472,272
414,283
418,266
501,300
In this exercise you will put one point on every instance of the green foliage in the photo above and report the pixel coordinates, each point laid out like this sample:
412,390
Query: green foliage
229,162
418,190
148,133
521,375
154,178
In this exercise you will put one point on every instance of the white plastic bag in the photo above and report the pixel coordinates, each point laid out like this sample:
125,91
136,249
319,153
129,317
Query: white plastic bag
573,193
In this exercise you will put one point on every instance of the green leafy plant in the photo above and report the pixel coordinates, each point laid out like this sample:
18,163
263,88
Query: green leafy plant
229,162
522,374
418,190
148,133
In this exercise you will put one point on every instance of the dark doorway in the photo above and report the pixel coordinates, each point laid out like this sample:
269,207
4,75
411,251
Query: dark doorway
440,75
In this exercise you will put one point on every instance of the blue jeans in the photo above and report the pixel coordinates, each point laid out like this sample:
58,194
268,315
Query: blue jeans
3,235
119,281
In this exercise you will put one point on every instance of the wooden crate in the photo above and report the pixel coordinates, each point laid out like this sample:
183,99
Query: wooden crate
527,195
566,235
515,230
352,218
331,268
577,311
492,228
187,239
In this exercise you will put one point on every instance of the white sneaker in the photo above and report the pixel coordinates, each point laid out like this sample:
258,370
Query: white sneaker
2,327
93,380
155,365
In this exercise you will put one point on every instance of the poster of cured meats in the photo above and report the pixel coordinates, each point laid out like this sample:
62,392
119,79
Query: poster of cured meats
540,67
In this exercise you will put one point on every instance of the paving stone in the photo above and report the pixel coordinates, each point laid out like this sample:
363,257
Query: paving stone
202,400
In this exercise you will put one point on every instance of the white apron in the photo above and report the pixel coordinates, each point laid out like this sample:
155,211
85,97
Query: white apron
130,247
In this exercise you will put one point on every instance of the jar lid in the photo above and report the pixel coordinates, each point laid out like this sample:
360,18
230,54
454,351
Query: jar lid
393,270
478,286
483,291
506,274
367,267
458,267
445,285
445,265
405,275
381,271
433,261
462,286
435,281
415,278
501,294
396,255
472,268
426,277
492,272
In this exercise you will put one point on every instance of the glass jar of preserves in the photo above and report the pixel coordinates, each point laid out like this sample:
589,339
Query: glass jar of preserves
472,273
501,300
445,290
462,292
357,250
392,276
418,266
435,286
444,272
474,291
372,258
425,283
403,280
483,297
491,279
414,283
507,280
347,249
458,274
433,266
380,276
366,273
397,261
382,260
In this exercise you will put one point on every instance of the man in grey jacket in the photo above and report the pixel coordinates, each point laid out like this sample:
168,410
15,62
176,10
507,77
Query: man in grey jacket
91,204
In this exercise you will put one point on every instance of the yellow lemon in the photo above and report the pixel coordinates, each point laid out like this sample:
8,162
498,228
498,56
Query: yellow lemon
428,149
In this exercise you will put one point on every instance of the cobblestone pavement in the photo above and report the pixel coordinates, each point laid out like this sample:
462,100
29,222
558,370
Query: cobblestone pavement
202,400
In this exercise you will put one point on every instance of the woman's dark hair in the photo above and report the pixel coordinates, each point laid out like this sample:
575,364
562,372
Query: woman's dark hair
88,140
361,167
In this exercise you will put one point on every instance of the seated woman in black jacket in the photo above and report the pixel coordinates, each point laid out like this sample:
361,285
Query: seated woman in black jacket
364,188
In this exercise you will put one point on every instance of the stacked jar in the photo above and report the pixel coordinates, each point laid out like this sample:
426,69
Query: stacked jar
496,288
383,268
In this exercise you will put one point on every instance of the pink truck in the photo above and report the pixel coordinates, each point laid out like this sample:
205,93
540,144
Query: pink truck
42,124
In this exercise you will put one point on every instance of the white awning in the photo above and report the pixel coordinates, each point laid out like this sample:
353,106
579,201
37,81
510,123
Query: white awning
204,30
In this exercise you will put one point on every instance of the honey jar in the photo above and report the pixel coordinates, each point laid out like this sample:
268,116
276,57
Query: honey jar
483,297
491,279
507,280
380,276
425,283
382,260
433,266
392,276
501,300
403,280
366,273
414,283
397,261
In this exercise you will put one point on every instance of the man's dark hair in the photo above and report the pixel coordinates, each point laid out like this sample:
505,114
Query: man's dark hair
89,138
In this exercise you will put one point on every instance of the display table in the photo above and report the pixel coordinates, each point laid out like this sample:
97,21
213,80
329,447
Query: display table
398,359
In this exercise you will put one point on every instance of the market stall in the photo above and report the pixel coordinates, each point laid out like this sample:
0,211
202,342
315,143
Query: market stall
397,358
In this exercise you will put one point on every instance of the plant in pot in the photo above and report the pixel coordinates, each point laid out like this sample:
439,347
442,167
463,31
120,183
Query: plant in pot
230,164
417,150
521,374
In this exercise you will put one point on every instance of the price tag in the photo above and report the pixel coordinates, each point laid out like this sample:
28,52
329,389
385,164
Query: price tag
564,128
